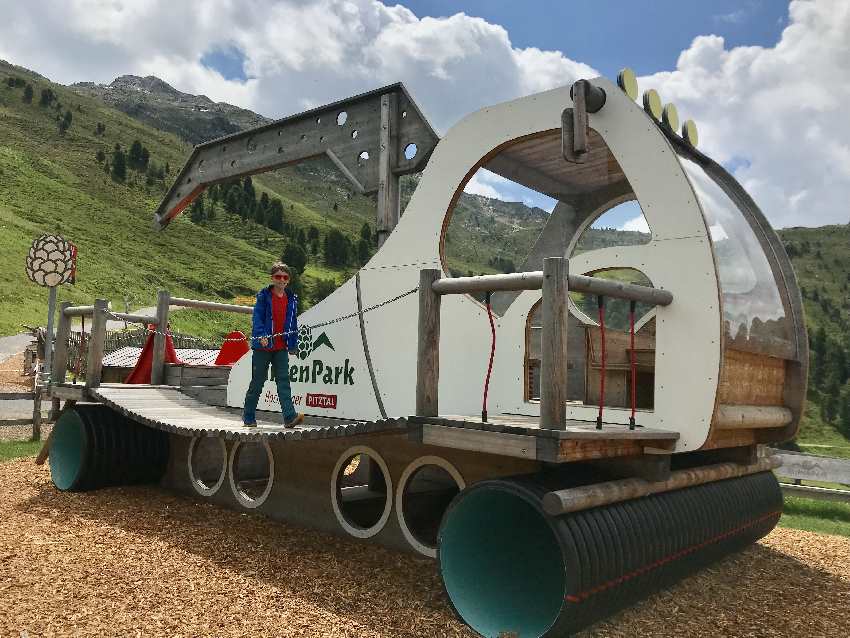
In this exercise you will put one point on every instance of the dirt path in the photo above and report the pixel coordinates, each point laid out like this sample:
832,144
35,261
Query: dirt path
141,561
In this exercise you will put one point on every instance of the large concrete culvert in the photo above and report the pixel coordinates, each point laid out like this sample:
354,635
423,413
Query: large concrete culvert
510,569
93,446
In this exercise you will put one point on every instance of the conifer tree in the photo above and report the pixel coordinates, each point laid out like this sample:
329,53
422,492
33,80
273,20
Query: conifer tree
28,94
119,164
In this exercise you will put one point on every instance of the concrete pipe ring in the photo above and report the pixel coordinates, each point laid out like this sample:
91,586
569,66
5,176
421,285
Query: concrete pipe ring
244,499
200,486
406,475
336,492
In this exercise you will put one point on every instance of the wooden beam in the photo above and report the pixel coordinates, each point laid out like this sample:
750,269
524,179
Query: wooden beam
388,180
94,364
743,417
79,311
60,354
581,498
163,300
553,365
817,493
428,352
516,445
210,305
69,392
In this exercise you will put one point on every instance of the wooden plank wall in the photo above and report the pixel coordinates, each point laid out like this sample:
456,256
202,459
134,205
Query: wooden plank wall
751,379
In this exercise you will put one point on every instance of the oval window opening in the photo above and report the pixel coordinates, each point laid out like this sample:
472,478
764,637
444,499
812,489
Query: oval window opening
207,464
251,472
361,489
427,488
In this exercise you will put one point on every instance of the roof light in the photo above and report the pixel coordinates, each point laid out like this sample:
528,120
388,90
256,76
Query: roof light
652,103
689,132
627,81
670,117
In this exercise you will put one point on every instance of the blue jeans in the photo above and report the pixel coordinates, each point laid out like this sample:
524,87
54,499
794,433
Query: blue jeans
260,360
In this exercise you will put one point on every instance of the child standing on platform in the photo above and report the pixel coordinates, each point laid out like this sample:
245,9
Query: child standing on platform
275,313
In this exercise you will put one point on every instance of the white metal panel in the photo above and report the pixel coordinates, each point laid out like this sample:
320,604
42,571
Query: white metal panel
678,258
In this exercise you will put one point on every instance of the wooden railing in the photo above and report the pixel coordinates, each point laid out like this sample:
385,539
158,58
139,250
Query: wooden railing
556,283
806,467
99,314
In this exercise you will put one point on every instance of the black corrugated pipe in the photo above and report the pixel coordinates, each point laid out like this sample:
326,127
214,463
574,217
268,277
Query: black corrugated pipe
511,569
93,446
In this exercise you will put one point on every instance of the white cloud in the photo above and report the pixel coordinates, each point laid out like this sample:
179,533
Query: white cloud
776,114
637,224
299,53
478,186
782,110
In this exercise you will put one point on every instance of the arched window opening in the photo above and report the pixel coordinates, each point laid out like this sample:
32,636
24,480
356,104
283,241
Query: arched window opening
525,203
621,225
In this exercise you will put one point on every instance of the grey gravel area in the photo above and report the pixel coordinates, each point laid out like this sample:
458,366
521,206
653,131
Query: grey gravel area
22,432
10,346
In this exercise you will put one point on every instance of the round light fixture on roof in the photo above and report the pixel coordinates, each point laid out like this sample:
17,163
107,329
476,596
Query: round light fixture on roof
627,81
652,103
670,117
689,132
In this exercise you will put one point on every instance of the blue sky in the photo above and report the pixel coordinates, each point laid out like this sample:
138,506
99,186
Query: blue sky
646,35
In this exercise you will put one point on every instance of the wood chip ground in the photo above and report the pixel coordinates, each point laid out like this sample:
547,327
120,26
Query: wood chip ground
145,562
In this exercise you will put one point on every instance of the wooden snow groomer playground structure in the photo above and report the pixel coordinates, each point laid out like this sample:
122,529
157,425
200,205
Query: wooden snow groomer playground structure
608,462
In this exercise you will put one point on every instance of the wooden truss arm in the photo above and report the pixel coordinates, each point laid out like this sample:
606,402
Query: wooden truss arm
365,136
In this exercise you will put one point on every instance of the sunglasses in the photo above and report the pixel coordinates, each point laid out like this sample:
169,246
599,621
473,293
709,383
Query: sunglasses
280,276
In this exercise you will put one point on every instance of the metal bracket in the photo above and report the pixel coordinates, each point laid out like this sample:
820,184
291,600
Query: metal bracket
586,99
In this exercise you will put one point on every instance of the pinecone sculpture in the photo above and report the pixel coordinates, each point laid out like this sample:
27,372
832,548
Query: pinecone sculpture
50,261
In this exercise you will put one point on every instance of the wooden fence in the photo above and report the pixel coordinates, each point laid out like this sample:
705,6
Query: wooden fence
117,339
804,467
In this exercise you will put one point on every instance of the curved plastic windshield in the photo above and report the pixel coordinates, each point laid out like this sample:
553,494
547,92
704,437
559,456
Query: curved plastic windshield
754,316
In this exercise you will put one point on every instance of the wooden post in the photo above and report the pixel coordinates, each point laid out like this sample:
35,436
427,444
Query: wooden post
388,181
428,352
36,410
60,355
163,299
553,365
94,364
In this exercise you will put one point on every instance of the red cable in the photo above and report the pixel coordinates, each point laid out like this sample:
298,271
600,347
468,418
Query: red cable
492,354
601,303
633,365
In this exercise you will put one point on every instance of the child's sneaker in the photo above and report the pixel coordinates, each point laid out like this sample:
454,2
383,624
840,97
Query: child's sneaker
299,419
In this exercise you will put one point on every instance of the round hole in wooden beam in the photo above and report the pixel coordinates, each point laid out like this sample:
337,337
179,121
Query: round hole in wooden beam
341,118
354,134
410,151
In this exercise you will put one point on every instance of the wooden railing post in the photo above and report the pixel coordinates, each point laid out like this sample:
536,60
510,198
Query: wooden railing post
60,352
94,365
428,351
553,365
163,300
60,356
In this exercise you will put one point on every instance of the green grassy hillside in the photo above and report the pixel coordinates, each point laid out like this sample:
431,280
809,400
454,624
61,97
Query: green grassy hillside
52,181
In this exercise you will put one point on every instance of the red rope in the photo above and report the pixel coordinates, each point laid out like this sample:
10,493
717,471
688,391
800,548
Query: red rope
633,365
492,354
601,302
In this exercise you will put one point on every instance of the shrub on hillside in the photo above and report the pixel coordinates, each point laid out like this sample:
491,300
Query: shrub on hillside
321,289
295,256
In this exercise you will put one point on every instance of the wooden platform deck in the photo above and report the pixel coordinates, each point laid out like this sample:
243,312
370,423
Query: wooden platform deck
521,436
166,408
